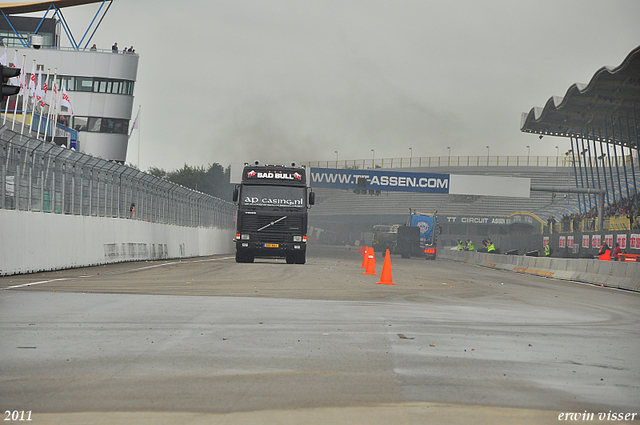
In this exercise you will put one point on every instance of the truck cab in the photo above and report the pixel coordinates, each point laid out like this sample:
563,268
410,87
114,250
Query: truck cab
272,213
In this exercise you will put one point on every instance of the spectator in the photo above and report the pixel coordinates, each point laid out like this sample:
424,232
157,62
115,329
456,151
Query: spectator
616,252
114,48
94,48
622,207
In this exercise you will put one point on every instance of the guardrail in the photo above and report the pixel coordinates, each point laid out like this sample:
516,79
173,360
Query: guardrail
622,275
44,177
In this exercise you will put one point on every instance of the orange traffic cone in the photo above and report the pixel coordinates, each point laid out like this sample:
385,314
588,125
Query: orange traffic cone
365,257
385,275
371,262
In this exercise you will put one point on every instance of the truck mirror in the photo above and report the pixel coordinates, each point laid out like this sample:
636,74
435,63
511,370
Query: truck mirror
235,194
312,198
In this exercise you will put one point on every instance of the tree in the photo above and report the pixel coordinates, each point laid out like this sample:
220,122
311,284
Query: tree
158,172
213,180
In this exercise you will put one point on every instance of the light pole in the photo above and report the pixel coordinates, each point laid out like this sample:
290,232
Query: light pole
488,150
448,156
528,150
373,160
410,156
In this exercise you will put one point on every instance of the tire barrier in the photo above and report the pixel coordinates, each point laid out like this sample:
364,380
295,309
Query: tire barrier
614,274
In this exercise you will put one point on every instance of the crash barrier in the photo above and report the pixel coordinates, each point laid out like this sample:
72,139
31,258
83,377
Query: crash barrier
615,274
33,242
60,209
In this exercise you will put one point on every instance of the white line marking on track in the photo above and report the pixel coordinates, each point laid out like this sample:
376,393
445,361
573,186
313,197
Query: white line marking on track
123,271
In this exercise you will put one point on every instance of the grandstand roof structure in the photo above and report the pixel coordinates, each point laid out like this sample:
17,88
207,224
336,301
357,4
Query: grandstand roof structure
608,101
41,6
10,10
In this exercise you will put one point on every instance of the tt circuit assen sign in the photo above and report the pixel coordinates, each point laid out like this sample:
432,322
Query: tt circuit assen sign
452,184
380,180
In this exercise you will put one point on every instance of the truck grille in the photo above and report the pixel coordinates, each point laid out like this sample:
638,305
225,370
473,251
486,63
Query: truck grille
278,232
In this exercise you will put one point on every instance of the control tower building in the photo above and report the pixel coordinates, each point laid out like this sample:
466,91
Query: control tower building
99,82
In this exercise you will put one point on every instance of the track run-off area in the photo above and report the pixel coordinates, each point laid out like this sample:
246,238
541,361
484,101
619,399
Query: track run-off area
210,341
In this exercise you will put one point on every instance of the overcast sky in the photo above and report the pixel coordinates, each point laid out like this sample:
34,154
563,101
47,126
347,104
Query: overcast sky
295,80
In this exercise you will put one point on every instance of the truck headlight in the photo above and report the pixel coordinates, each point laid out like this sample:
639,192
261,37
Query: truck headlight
244,237
297,238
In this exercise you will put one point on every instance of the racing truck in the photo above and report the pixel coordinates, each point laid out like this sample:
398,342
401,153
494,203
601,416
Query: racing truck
271,219
385,236
419,236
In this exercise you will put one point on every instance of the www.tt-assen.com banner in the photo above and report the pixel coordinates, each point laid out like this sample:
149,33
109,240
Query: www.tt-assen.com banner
452,184
380,180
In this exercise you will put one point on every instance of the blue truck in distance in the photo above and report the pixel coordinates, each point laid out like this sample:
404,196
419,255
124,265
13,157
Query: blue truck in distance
419,236
427,223
272,213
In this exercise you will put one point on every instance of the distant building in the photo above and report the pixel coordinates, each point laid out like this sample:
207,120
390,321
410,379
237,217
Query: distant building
100,84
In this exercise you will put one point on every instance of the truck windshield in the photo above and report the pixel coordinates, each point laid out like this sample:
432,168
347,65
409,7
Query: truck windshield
273,196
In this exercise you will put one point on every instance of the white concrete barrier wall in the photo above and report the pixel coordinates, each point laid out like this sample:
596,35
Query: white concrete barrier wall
32,241
607,273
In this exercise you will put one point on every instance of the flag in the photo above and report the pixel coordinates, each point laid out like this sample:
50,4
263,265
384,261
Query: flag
39,95
32,81
45,86
65,100
15,81
24,81
136,122
55,95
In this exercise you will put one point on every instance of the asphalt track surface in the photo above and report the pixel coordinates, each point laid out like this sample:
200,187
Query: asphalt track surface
209,341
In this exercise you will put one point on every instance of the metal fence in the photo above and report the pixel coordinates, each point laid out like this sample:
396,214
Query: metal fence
467,161
44,177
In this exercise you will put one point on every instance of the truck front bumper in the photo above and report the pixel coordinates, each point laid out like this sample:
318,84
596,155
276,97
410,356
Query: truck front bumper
269,249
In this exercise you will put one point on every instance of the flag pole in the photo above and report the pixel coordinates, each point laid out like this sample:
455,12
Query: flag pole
138,123
43,88
26,104
22,88
6,109
55,101
33,111
46,127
